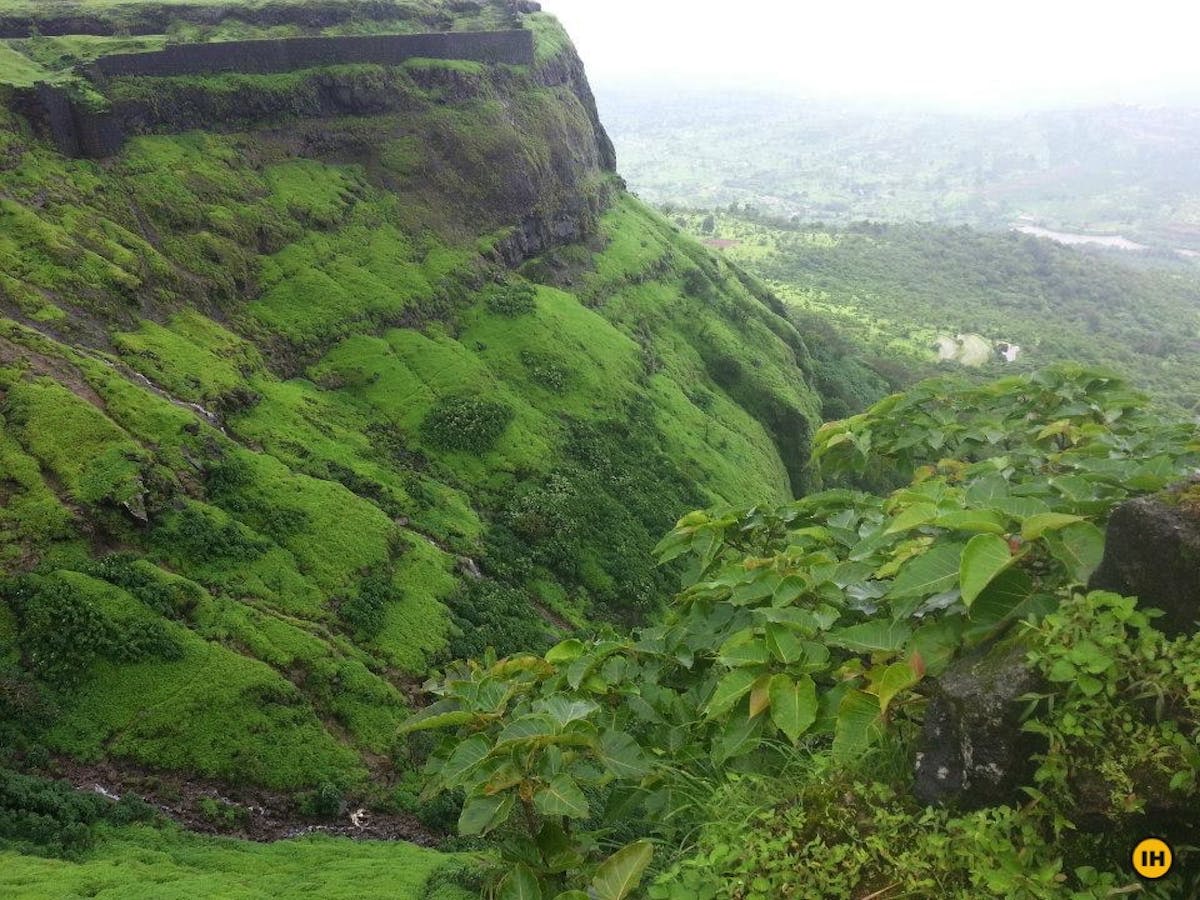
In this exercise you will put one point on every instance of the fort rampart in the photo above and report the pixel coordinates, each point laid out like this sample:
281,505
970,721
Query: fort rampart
79,131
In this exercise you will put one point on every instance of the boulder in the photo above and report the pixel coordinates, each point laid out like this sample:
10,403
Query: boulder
972,752
1152,552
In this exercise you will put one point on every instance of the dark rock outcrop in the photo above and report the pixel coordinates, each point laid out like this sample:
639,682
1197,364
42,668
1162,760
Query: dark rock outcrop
972,751
1153,553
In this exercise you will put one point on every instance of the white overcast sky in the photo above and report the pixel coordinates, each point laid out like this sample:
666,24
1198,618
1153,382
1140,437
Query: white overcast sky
944,52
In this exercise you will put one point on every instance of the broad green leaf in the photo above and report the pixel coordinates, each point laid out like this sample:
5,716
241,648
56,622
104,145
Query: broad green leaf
1079,547
931,573
481,814
572,895
1002,597
729,690
920,514
857,725
1036,526
1020,507
561,797
558,849
759,588
871,637
788,590
622,755
984,557
565,710
519,884
565,652
938,641
746,649
888,681
785,645
620,874
739,737
984,521
801,619
465,758
793,704
987,490
526,728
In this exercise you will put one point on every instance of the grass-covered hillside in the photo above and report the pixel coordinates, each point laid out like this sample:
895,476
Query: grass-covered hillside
891,291
300,406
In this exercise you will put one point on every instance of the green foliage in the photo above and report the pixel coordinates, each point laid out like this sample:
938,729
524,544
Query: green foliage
488,614
366,611
53,819
467,424
511,300
204,533
63,630
1122,721
837,837
808,626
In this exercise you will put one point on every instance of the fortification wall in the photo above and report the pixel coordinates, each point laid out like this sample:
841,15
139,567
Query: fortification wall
273,56
156,18
78,131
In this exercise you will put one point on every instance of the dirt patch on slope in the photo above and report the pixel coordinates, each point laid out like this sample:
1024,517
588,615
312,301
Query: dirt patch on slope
253,814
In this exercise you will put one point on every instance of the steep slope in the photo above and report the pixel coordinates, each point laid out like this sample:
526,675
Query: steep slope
331,375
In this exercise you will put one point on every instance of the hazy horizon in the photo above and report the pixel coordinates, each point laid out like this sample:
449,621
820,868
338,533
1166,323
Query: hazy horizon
928,53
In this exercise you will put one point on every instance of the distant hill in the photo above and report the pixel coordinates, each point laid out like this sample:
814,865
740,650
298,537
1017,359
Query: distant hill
1113,170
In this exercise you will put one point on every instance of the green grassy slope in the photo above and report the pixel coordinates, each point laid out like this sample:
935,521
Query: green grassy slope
281,428
140,862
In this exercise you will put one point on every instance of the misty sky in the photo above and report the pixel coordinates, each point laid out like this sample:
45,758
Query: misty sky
972,53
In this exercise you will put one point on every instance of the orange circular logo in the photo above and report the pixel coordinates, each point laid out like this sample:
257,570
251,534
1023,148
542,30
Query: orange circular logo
1152,858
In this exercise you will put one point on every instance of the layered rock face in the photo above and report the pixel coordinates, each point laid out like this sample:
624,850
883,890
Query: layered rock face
973,752
1153,553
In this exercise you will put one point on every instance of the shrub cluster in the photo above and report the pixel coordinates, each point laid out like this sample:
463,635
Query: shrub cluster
366,611
547,369
511,300
62,632
489,614
466,423
54,819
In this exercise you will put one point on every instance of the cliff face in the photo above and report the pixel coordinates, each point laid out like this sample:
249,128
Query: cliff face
328,376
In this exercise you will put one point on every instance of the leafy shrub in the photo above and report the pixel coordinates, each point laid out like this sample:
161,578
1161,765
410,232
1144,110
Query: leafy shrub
168,596
466,423
62,632
52,818
201,534
488,614
547,369
1122,724
326,802
808,627
221,814
511,300
366,611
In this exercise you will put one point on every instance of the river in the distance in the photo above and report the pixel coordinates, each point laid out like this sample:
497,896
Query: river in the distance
1114,242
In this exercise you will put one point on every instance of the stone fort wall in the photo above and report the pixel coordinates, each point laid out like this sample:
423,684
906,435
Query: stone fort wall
80,132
